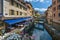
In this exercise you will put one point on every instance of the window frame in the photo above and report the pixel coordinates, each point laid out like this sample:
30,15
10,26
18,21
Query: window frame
11,12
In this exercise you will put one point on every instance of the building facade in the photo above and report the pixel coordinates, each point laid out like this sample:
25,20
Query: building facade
13,9
30,9
49,15
56,10
17,10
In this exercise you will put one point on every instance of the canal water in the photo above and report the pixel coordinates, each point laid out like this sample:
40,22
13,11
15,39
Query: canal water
41,34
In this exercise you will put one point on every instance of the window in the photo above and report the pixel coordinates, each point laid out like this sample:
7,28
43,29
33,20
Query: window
59,7
6,14
12,2
25,13
58,0
18,0
20,13
25,8
54,2
54,9
17,13
54,15
17,5
59,14
21,6
11,12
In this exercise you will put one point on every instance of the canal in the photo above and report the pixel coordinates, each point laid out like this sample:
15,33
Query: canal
40,34
37,32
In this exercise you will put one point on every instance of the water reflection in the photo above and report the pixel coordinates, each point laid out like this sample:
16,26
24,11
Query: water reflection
39,26
40,34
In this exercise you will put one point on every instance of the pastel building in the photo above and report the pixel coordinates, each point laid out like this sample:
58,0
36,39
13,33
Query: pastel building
13,9
17,10
49,15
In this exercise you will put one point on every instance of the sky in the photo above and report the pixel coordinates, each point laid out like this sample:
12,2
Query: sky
40,5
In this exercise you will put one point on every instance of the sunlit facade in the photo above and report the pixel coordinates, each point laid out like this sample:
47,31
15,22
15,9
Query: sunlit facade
30,9
14,9
49,15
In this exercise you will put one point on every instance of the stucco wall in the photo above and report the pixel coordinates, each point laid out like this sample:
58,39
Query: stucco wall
8,6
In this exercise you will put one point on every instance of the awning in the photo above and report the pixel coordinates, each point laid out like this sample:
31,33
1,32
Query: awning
13,21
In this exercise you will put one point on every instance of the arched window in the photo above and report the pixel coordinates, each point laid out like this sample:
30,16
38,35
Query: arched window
54,15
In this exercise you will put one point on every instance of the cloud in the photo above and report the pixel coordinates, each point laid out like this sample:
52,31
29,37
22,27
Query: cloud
47,1
28,0
41,9
35,0
41,0
32,0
